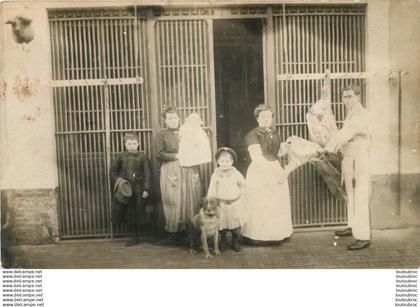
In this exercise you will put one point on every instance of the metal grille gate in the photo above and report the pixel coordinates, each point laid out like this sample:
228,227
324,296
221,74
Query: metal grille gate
185,75
99,63
307,41
99,89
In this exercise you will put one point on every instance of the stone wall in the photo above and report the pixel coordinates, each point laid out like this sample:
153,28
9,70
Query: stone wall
29,216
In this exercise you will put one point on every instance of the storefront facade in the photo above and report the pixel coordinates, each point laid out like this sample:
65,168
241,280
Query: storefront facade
94,73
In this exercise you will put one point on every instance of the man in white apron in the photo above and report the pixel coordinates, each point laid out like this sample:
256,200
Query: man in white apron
353,140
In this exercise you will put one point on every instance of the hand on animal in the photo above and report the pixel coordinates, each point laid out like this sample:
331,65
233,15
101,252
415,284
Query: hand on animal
21,29
145,195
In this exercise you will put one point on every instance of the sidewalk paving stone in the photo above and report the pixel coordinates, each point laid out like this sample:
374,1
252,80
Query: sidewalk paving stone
396,248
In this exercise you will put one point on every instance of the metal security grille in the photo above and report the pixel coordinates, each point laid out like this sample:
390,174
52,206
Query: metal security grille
184,49
98,63
308,40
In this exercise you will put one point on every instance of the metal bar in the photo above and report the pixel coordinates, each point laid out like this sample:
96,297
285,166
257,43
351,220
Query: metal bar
136,33
131,90
90,47
201,61
87,167
307,173
64,188
160,77
167,93
93,163
341,45
127,47
108,146
195,62
204,82
94,169
362,43
321,14
334,59
62,54
212,87
66,150
282,45
182,50
73,126
188,60
119,54
153,32
54,53
287,56
358,44
171,61
101,131
143,91
139,110
95,82
83,64
178,18
275,51
269,59
78,64
178,86
99,18
105,110
163,60
278,49
311,30
319,76
324,43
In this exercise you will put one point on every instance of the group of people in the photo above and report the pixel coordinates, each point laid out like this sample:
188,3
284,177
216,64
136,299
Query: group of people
255,209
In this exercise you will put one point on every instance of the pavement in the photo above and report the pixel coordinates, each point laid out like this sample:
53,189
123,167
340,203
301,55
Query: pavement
394,248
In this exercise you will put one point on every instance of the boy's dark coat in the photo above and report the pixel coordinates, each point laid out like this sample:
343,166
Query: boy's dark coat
136,169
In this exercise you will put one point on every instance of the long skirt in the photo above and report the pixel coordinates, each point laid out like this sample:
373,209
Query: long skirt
181,193
268,213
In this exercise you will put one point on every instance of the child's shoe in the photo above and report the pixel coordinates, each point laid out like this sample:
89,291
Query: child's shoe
223,240
236,237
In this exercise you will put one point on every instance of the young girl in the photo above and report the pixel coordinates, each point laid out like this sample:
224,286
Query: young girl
227,185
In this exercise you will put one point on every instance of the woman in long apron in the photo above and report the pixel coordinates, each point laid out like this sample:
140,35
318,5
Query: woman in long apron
180,186
268,215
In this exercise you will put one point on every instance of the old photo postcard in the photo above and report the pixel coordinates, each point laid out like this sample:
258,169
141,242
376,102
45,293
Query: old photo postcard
211,134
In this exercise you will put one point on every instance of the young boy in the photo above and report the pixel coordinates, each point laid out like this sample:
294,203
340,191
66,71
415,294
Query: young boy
130,169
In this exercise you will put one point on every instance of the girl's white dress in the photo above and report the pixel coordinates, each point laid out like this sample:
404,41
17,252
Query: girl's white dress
228,186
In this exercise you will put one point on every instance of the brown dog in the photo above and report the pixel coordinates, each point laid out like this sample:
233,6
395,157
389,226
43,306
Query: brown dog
205,225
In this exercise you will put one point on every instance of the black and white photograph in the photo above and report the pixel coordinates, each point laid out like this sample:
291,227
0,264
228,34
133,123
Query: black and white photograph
210,134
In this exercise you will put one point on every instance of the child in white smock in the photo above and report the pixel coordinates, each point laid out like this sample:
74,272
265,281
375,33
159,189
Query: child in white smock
227,185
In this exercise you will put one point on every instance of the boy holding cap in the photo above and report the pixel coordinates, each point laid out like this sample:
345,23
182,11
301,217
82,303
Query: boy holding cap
130,167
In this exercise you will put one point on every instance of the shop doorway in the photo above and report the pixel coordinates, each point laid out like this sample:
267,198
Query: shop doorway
239,79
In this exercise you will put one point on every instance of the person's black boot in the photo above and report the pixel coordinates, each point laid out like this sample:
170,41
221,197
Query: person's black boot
236,237
223,240
134,238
